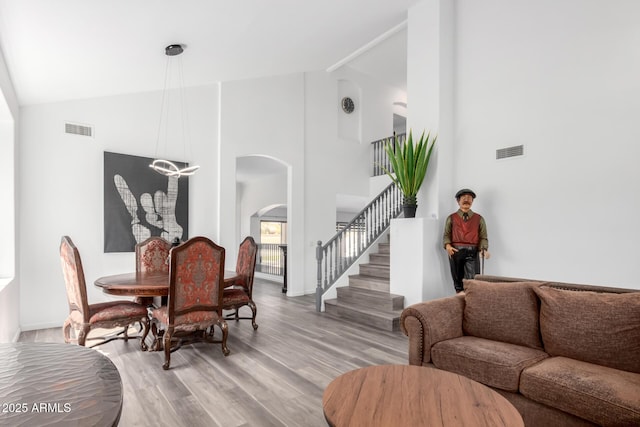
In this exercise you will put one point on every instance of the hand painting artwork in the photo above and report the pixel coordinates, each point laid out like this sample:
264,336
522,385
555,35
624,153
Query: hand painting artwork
159,211
139,203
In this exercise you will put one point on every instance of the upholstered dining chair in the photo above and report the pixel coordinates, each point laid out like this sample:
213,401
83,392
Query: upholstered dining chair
240,293
152,256
196,280
84,317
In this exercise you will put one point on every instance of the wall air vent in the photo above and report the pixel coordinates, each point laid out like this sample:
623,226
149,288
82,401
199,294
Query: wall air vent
78,129
505,153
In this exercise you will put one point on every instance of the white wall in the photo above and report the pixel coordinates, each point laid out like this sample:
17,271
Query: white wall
9,279
560,78
264,117
61,187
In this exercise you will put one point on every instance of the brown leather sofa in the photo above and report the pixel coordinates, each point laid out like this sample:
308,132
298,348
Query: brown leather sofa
562,354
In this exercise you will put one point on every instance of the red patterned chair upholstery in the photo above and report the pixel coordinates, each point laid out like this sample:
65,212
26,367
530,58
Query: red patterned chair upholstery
196,280
240,293
152,256
84,317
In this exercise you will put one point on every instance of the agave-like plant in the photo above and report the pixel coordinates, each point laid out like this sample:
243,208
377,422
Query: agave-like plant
409,164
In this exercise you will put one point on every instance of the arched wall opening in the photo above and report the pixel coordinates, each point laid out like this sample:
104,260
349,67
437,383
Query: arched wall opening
262,200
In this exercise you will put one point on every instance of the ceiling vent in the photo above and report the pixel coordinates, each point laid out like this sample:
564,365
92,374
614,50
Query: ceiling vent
505,153
78,129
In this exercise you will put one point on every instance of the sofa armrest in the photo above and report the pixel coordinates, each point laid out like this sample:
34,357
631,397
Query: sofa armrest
430,322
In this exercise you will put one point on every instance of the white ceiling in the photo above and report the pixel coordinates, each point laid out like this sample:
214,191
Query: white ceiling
73,49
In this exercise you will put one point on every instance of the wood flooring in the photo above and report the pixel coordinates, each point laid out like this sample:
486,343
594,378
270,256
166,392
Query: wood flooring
274,376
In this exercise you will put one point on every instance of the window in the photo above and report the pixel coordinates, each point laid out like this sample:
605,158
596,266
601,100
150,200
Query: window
273,232
353,238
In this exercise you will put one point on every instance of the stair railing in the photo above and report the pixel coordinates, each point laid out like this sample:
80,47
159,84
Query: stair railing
379,154
349,243
270,259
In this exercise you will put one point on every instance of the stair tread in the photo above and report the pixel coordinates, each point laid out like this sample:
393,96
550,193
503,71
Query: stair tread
367,277
376,265
364,310
384,272
373,292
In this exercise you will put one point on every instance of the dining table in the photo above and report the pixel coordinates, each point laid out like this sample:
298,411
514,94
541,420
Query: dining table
139,284
57,384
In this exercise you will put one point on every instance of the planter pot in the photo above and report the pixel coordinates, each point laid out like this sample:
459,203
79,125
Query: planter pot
409,206
409,210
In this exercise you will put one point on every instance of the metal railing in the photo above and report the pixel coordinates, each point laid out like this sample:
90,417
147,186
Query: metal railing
350,242
270,259
380,158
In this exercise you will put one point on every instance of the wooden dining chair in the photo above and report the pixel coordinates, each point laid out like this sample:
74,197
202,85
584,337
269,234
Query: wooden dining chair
196,280
84,317
240,293
152,256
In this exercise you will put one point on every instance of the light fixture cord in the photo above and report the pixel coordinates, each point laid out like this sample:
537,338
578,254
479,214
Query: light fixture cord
162,108
186,145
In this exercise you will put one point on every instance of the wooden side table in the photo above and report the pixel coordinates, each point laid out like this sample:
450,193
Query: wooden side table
404,395
57,384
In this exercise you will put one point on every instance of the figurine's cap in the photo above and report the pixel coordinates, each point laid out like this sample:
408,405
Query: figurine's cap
465,191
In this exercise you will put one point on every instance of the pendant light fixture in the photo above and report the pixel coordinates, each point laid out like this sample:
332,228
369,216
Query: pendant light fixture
161,165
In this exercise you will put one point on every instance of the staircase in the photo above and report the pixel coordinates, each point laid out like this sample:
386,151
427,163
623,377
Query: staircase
367,299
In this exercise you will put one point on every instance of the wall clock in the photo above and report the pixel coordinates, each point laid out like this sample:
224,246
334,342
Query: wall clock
347,105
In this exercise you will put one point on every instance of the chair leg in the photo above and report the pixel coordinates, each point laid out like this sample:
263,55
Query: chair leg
254,310
143,344
157,337
66,330
82,334
167,348
225,332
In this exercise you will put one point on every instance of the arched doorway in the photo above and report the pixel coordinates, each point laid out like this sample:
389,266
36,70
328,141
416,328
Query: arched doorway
262,199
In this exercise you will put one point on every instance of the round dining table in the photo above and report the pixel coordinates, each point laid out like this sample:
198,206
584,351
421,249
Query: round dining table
56,384
145,284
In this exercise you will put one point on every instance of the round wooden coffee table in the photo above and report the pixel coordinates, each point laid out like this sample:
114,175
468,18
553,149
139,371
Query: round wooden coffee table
56,384
404,395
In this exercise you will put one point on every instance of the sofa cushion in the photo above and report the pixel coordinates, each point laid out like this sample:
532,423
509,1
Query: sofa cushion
600,328
605,396
507,312
493,363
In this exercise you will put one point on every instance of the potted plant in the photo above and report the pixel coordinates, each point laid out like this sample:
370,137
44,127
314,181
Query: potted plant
409,163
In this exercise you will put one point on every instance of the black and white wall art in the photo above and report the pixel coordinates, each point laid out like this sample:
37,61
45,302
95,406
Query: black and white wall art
139,203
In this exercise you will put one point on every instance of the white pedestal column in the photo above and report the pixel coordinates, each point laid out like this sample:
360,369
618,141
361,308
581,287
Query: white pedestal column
407,257
417,260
